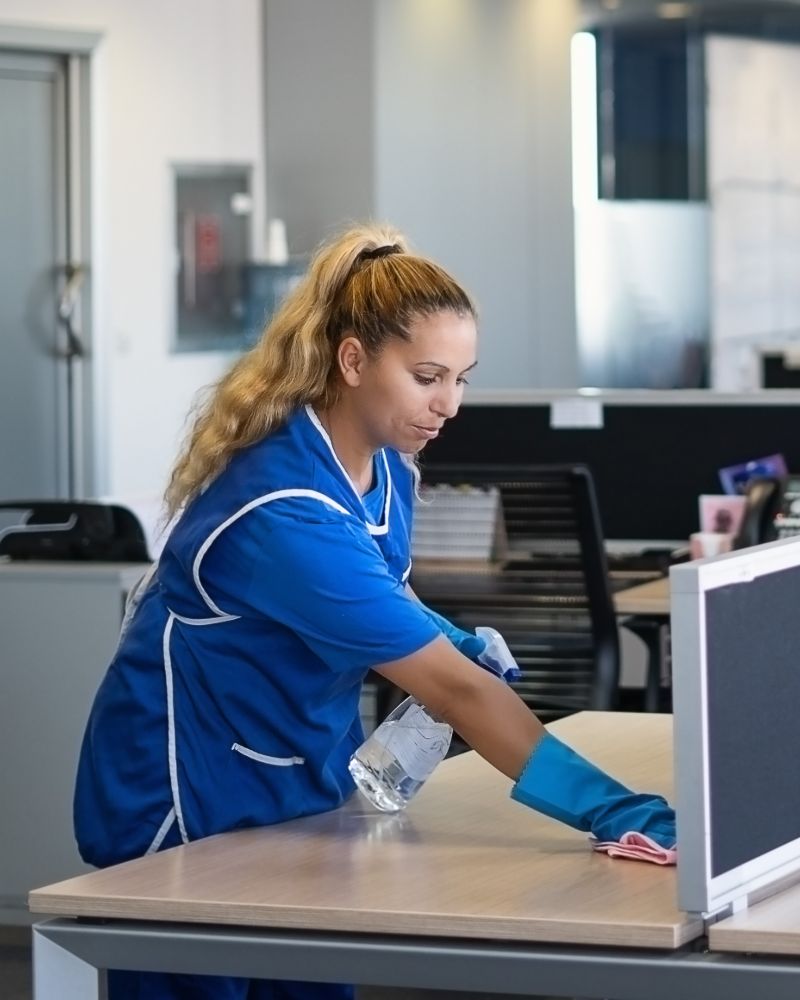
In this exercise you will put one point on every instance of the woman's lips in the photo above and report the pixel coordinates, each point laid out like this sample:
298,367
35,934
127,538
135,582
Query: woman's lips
427,432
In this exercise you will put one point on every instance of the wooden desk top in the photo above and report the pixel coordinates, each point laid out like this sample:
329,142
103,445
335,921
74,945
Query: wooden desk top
464,860
651,598
771,927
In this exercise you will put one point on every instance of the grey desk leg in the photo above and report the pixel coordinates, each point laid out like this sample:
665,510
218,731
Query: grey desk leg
652,633
60,975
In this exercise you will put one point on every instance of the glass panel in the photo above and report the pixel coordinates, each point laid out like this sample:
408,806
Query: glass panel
642,294
264,287
212,229
646,126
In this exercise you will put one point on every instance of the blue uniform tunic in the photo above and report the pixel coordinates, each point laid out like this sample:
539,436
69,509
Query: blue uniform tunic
232,700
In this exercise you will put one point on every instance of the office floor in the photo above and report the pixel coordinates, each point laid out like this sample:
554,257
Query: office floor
15,975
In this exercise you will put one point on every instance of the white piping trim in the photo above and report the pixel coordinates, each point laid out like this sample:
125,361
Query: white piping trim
373,529
267,498
204,621
265,759
384,528
406,573
163,830
171,755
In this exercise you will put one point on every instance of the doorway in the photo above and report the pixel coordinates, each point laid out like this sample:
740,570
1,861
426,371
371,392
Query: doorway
45,376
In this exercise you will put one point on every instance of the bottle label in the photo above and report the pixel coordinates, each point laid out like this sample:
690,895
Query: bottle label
418,742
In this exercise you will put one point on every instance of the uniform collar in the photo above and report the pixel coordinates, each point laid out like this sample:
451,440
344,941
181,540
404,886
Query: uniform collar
373,529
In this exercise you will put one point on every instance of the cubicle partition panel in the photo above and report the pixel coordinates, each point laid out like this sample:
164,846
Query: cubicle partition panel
736,692
650,454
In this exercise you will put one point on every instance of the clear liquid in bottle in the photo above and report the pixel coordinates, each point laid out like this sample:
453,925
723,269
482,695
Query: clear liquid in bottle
391,766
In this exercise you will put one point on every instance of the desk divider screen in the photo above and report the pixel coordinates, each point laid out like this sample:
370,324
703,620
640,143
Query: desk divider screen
736,702
651,458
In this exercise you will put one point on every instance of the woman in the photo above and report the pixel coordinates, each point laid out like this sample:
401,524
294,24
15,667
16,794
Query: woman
233,698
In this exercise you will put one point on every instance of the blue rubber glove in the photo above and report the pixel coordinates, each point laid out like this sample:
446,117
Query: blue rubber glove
560,783
467,643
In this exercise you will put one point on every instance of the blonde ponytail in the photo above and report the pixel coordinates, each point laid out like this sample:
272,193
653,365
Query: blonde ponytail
365,282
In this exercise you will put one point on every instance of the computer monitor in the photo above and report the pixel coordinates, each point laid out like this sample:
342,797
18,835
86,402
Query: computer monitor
736,703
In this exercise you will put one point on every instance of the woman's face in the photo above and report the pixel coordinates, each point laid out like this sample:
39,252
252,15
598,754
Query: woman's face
404,396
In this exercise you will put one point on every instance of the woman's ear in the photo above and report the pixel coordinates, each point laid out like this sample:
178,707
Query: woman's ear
351,357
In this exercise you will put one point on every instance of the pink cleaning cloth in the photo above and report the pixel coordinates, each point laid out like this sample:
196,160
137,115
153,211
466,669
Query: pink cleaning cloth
637,847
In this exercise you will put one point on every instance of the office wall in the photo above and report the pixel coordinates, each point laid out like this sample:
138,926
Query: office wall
465,144
754,188
172,82
473,160
319,93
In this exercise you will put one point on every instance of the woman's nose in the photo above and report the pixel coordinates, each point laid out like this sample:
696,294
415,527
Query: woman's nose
447,401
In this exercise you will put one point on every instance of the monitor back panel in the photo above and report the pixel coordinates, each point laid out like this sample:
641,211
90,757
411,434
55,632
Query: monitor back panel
736,699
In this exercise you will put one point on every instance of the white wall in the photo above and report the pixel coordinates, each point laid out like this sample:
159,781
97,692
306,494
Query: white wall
465,145
320,141
173,81
754,191
473,161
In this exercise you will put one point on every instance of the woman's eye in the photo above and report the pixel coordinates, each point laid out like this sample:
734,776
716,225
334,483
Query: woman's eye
462,381
425,380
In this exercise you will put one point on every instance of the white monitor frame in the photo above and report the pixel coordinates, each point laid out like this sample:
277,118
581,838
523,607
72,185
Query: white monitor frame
698,890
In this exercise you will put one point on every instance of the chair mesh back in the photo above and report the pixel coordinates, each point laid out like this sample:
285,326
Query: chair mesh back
549,595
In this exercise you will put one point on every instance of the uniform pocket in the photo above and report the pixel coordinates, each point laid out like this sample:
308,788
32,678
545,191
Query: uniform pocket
264,758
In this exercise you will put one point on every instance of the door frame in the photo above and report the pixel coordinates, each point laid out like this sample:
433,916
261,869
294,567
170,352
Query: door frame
79,473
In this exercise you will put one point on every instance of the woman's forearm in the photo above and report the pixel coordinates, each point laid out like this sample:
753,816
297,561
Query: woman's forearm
481,707
496,723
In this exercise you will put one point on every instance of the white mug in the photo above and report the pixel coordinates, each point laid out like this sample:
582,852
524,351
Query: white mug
277,247
704,544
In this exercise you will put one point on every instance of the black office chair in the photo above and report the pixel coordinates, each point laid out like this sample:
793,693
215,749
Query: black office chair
764,496
71,530
550,597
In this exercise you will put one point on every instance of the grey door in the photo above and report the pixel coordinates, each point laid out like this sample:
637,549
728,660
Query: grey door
33,415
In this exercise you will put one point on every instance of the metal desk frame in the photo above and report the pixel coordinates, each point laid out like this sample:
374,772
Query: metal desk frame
69,955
